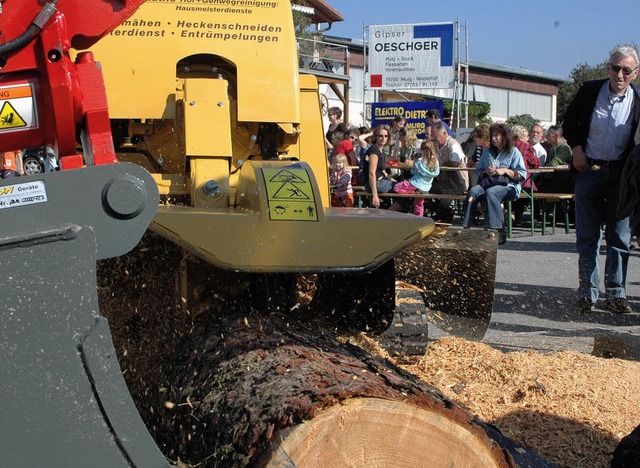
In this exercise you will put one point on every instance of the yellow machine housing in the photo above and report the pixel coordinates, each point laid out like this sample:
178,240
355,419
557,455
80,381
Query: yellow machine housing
210,101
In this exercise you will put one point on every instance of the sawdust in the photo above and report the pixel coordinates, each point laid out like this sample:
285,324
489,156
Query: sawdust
571,408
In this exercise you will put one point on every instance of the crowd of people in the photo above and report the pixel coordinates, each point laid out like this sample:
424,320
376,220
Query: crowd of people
599,140
493,164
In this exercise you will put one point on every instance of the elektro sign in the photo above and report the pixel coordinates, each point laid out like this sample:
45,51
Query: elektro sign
411,56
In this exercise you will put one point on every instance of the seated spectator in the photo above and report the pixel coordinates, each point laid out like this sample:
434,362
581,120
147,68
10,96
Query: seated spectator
500,170
521,141
374,165
536,135
453,182
336,138
340,178
353,134
474,151
423,169
559,155
560,181
365,140
407,148
433,117
345,147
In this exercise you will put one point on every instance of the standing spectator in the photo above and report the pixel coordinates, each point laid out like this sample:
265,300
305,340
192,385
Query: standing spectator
374,166
11,164
535,140
424,169
500,170
335,125
450,154
599,126
341,178
394,137
433,117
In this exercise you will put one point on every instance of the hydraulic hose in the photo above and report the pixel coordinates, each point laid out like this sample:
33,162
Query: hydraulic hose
48,10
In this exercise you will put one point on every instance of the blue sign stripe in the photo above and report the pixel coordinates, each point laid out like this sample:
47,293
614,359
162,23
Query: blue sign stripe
445,33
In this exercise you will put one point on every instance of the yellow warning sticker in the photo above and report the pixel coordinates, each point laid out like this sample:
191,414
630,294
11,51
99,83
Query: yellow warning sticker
9,117
289,194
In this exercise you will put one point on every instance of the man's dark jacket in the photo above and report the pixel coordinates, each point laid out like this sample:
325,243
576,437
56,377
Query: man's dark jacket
577,119
576,130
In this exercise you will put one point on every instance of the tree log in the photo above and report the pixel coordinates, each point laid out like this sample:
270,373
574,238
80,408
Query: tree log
274,391
236,387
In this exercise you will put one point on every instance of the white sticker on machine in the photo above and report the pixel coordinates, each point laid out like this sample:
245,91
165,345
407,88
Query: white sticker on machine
23,194
17,107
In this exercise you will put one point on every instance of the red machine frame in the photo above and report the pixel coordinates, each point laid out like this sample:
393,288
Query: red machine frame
70,102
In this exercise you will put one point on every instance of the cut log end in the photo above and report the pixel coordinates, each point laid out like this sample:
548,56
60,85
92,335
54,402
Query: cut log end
378,432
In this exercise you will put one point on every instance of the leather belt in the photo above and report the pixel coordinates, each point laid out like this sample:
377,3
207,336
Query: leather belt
604,162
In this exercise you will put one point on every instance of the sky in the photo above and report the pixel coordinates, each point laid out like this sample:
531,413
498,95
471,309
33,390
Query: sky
546,37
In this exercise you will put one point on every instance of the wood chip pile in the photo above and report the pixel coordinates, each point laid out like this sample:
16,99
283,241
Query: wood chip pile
569,407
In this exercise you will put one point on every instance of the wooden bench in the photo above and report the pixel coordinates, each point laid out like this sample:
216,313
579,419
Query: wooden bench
430,196
554,199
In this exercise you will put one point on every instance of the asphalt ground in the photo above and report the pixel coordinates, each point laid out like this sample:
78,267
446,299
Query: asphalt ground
535,291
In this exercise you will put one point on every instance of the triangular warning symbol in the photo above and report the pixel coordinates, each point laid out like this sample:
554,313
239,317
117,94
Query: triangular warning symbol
9,117
290,192
287,176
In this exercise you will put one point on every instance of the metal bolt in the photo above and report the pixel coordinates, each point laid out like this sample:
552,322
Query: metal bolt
192,103
212,188
124,197
220,104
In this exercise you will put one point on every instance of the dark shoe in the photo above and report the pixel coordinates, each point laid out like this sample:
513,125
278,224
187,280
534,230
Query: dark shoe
583,306
618,305
502,236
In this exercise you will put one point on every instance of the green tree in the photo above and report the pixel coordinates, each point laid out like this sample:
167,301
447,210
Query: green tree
580,74
526,120
301,23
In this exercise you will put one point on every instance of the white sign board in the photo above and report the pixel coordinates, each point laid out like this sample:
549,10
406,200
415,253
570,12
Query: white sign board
411,56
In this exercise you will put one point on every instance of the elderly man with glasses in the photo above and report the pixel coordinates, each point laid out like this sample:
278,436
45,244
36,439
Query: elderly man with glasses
599,126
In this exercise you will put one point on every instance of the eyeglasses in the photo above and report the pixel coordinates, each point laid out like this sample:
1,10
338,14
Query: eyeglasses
353,137
380,135
625,70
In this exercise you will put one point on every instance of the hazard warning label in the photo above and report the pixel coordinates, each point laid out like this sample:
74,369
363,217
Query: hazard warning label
289,194
17,107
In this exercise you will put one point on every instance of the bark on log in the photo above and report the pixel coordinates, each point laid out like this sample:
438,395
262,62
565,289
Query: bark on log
274,391
236,388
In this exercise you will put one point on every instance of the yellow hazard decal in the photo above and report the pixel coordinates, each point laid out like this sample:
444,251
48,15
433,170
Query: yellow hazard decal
290,195
17,107
9,117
